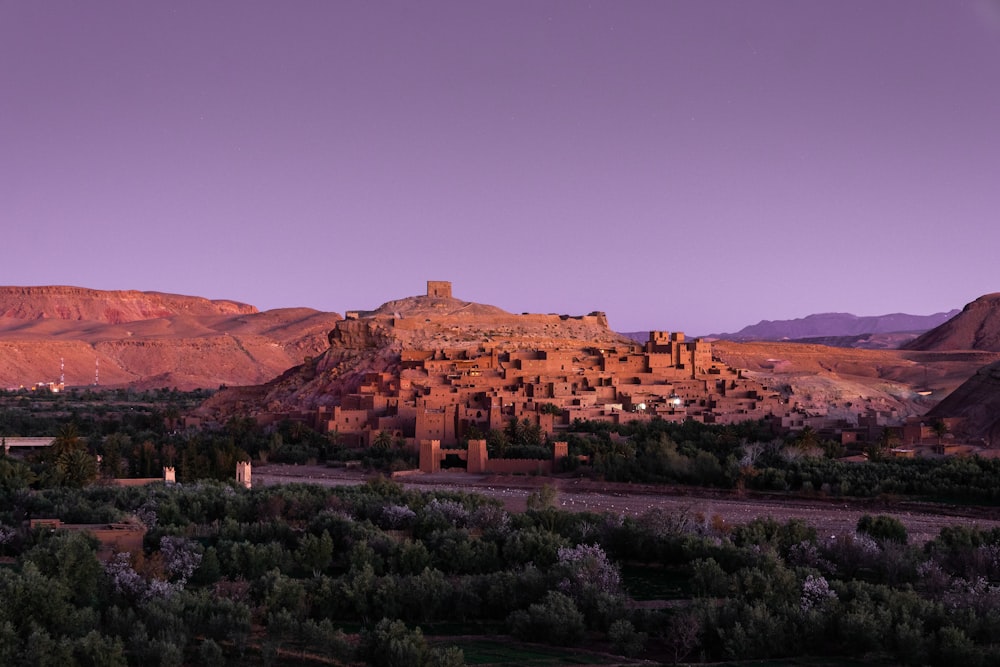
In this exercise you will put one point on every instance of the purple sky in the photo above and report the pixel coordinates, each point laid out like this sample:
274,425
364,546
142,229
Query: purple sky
693,166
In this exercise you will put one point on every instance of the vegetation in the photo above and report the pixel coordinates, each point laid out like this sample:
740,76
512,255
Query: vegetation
750,456
376,573
308,575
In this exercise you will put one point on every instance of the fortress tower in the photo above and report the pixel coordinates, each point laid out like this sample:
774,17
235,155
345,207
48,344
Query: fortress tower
243,473
440,289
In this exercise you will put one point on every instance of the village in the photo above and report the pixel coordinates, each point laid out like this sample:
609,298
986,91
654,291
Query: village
439,399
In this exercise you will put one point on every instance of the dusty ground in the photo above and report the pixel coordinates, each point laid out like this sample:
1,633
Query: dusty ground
830,517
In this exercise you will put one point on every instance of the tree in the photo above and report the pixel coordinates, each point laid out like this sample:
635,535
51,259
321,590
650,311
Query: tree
883,528
497,443
111,461
940,429
315,553
391,644
555,620
625,639
76,468
543,499
887,440
383,440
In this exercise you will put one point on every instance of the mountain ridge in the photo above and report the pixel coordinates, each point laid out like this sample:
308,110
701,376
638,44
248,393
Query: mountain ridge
148,339
831,325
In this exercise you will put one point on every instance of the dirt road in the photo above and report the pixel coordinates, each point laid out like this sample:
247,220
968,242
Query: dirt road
830,516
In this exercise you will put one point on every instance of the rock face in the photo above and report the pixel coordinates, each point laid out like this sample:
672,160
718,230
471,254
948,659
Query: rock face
977,327
149,339
112,307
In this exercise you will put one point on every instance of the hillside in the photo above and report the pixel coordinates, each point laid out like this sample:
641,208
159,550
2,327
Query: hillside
112,307
374,341
977,327
149,339
977,403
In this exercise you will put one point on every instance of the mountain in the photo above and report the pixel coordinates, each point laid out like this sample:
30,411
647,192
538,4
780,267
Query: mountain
977,327
976,403
112,307
149,339
842,329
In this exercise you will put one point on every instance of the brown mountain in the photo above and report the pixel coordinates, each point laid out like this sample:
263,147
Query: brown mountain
977,327
113,307
149,339
977,403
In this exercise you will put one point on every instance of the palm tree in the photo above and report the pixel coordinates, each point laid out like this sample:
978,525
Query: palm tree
68,440
940,429
77,468
383,440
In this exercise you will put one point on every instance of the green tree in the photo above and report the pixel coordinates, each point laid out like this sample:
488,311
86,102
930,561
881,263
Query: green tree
391,644
555,620
76,468
382,440
315,553
883,528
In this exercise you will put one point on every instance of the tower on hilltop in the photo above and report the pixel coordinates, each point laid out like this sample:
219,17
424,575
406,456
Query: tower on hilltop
440,289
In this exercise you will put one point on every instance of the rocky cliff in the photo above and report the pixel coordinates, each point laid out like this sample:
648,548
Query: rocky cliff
149,339
113,307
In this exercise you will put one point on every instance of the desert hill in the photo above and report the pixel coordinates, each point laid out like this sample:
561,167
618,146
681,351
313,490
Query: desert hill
830,378
373,341
113,307
149,339
977,401
977,327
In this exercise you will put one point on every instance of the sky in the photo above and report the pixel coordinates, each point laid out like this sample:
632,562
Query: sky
691,166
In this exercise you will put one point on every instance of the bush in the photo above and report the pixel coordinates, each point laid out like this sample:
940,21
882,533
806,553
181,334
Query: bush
555,620
883,528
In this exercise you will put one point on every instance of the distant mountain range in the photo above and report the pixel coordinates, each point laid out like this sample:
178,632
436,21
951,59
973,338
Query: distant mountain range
842,329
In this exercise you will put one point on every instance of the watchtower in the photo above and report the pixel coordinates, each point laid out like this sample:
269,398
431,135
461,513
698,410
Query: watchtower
440,289
243,473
